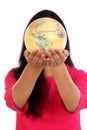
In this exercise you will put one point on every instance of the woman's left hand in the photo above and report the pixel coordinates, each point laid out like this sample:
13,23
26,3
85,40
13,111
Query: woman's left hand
56,57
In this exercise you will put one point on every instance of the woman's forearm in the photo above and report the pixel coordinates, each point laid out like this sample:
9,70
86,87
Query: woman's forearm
69,92
25,84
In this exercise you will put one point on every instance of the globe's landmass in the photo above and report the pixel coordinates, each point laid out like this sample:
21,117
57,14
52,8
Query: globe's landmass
45,34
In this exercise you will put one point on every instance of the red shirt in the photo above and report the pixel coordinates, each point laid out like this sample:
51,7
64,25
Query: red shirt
55,116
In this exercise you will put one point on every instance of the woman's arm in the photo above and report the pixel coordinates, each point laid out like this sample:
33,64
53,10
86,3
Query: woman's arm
69,92
25,84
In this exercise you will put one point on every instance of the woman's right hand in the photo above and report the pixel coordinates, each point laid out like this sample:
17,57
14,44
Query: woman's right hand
36,58
25,84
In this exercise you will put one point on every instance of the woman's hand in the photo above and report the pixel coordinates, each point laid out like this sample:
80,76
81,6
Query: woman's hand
52,58
22,90
35,58
56,57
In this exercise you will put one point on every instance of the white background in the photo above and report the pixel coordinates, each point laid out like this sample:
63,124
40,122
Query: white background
14,16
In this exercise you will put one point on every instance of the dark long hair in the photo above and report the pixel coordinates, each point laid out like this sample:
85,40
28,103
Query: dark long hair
37,96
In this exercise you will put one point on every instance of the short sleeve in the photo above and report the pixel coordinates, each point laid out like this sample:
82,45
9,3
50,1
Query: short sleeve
10,80
81,82
79,77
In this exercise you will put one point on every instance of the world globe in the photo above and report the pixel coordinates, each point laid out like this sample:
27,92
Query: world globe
45,34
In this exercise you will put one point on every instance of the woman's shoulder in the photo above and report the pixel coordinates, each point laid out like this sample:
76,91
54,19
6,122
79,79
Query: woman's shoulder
10,77
73,71
11,72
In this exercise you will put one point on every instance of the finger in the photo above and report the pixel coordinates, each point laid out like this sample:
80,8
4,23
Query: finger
36,58
48,62
44,62
31,55
41,60
56,57
53,63
61,55
66,53
26,54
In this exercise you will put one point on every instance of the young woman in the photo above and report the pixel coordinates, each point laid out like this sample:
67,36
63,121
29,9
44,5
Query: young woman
47,93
